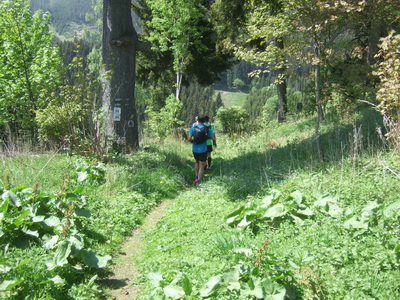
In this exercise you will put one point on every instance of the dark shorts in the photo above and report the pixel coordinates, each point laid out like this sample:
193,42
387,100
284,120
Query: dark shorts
200,156
209,148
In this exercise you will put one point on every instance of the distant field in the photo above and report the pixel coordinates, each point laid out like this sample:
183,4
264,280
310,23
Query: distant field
232,98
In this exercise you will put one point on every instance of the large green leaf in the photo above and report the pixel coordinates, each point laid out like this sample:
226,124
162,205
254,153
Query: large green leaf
57,280
275,211
254,288
235,215
297,197
37,219
355,223
173,292
272,290
82,176
8,195
329,205
266,201
305,212
92,259
211,287
187,286
233,274
9,284
30,232
18,221
392,210
52,221
77,241
50,241
156,278
81,212
62,253
4,205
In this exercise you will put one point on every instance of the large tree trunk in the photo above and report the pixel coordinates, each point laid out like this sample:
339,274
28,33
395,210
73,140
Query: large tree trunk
120,43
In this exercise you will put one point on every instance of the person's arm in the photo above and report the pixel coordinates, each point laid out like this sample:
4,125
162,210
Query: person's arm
214,141
190,136
213,136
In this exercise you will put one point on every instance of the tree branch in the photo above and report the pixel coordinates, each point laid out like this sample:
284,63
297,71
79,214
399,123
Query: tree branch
131,40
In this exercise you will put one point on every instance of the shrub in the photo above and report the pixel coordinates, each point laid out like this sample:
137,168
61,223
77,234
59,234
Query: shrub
233,119
163,122
388,93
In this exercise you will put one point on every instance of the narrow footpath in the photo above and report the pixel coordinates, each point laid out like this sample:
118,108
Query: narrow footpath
122,285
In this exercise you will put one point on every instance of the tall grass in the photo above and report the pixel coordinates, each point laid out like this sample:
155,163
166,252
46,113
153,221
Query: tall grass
117,200
321,256
348,255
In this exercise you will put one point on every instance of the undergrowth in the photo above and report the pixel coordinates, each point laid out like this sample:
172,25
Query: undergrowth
63,218
273,222
270,221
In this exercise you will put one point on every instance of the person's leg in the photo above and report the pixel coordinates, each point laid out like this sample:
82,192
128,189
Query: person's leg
196,168
202,165
202,157
209,159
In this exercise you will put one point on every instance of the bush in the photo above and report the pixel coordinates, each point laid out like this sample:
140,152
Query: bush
163,122
238,83
233,119
388,93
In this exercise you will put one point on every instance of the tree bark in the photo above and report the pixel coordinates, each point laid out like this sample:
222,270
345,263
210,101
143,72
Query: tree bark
120,43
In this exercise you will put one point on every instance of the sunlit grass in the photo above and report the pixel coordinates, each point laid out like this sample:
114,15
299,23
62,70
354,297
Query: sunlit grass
233,98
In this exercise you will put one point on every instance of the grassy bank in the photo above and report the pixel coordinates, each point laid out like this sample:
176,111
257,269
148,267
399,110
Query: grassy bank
64,218
273,221
232,98
270,220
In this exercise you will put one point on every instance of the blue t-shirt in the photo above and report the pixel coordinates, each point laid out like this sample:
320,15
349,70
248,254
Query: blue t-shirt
200,148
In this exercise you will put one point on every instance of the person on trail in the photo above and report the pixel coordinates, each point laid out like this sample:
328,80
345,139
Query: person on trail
198,135
195,121
210,142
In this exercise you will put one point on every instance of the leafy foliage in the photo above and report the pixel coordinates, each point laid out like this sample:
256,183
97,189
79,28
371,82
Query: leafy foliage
273,209
326,230
164,122
234,120
54,223
72,118
199,100
388,93
29,62
66,15
56,245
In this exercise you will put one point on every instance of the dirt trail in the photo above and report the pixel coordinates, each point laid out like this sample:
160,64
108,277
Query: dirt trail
121,285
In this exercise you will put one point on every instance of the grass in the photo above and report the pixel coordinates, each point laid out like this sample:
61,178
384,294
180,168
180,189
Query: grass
351,255
49,170
347,249
118,201
233,98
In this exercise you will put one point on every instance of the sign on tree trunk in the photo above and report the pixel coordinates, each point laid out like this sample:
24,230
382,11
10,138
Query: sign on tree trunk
120,43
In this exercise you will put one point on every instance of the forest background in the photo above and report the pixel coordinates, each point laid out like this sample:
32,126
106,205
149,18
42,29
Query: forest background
331,62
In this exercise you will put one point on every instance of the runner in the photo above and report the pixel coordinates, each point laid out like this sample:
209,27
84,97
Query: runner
210,142
198,135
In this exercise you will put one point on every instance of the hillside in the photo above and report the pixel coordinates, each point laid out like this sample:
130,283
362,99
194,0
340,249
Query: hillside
269,220
68,17
230,98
